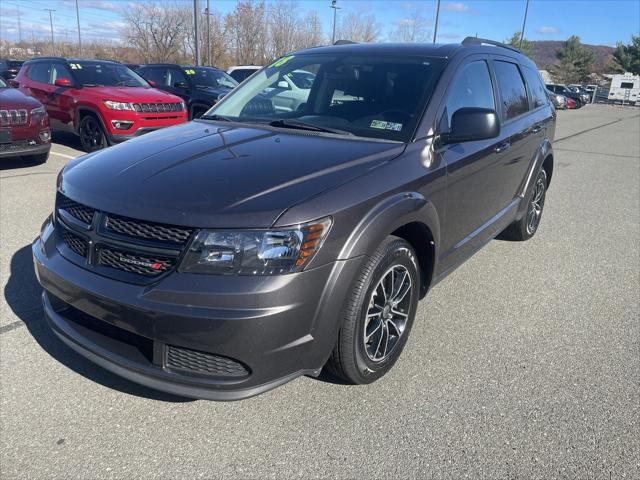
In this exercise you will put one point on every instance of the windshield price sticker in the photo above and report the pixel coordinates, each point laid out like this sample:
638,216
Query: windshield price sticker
382,125
75,66
190,71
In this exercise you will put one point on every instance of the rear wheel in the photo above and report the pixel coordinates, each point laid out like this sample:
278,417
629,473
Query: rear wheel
527,226
379,315
92,135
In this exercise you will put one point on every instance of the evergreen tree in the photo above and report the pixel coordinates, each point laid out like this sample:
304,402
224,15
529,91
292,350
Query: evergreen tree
526,48
627,57
575,61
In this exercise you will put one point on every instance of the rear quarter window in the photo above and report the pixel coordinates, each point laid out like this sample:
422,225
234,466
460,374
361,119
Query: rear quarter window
512,89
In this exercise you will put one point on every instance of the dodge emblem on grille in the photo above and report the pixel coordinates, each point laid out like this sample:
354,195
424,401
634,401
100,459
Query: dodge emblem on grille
133,261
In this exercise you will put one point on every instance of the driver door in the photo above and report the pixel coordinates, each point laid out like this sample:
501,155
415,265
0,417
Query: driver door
474,176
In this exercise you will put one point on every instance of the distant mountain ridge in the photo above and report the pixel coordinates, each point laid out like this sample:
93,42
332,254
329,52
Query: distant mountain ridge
544,53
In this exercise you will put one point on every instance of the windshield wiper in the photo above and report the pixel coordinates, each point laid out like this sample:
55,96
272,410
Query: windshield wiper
216,117
285,123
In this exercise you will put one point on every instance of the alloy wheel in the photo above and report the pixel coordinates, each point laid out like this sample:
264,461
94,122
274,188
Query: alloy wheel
535,206
388,313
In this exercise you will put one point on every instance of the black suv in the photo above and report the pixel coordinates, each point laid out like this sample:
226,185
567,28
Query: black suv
199,87
226,256
10,68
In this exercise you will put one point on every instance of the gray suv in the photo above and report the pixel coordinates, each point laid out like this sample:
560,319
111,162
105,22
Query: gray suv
223,257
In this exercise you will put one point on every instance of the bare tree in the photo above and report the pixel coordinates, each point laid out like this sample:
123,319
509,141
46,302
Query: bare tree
358,28
284,25
158,31
311,34
413,28
247,32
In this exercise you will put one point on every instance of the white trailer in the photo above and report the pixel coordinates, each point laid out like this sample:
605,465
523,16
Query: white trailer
625,88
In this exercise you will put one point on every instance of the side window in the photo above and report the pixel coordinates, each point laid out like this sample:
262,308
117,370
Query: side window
39,72
176,76
59,71
471,87
538,94
155,74
512,89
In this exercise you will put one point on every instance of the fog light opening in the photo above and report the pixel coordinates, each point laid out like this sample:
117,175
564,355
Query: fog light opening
45,135
121,124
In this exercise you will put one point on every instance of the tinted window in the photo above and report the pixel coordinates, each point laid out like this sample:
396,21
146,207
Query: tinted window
175,76
512,89
39,72
210,77
471,87
59,71
155,74
538,94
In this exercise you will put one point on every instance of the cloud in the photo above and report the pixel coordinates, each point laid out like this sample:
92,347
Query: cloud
101,5
456,7
548,30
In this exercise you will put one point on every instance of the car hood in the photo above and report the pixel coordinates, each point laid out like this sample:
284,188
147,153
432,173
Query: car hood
132,94
215,175
11,98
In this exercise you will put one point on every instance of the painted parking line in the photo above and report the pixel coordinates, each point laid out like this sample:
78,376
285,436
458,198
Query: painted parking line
63,155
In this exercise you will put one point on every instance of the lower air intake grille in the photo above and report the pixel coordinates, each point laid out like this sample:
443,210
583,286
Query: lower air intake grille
132,263
204,363
75,243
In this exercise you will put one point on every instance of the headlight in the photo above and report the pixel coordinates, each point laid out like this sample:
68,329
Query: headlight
255,252
113,105
37,110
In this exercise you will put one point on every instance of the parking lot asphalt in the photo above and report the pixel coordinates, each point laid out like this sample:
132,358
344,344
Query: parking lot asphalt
522,364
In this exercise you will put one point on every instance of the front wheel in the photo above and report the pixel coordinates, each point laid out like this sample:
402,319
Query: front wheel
379,314
92,135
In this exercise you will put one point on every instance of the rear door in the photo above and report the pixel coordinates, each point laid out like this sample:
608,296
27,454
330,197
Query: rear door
60,102
37,83
474,176
517,124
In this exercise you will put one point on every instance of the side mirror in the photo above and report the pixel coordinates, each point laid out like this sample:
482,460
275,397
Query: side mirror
13,83
63,82
151,82
182,85
469,124
283,84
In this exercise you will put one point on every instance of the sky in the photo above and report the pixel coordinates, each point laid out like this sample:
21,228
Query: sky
599,22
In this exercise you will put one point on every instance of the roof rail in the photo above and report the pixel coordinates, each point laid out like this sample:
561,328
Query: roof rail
48,57
344,42
483,41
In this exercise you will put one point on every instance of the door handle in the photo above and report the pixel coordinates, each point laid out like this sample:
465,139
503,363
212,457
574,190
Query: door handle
502,147
536,128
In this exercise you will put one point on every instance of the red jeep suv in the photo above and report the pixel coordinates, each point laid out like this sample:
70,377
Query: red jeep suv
101,101
24,126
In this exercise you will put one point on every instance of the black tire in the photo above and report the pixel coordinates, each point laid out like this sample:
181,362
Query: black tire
39,159
525,228
92,136
354,358
578,103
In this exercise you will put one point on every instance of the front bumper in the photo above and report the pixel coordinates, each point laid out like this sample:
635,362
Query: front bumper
277,327
22,149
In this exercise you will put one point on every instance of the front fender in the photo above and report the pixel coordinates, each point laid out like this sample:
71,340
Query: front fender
386,217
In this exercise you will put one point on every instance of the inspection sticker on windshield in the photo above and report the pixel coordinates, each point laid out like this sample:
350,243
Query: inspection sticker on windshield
382,125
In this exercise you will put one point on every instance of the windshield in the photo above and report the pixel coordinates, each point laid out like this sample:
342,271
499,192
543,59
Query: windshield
210,77
366,95
2,83
106,74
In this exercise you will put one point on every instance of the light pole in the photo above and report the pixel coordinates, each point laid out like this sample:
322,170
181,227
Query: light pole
524,22
435,29
208,35
51,25
79,38
335,9
195,26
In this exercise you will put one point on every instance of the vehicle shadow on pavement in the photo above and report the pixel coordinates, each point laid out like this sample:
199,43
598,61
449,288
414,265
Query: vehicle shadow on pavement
23,292
67,139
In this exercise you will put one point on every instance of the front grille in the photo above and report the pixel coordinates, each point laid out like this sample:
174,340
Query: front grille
76,244
204,363
76,210
148,266
13,117
147,230
157,107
